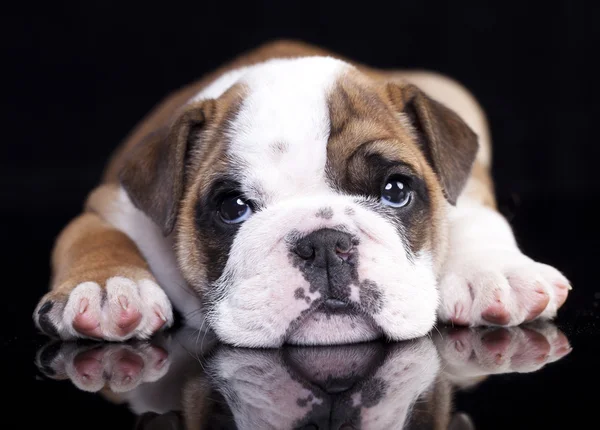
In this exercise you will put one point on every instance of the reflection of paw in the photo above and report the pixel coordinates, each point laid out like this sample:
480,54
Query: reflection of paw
472,353
124,309
120,367
501,288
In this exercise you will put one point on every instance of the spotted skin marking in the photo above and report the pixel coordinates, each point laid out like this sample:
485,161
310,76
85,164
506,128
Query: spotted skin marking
325,213
279,147
372,392
303,402
370,296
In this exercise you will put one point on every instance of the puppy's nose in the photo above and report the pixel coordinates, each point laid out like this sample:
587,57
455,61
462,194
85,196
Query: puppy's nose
325,247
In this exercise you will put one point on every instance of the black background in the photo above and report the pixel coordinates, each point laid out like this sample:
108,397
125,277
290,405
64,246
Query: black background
78,76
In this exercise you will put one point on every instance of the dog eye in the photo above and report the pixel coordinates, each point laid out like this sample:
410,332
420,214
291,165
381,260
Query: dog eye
396,192
234,210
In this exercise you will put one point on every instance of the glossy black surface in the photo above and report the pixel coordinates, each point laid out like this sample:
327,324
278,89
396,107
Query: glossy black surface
78,76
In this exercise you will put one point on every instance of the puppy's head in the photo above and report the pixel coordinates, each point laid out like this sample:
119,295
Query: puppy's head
307,201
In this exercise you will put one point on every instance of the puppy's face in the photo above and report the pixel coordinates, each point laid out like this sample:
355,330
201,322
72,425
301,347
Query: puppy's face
308,203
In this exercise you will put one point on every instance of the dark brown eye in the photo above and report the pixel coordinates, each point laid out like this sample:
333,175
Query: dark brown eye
234,210
396,192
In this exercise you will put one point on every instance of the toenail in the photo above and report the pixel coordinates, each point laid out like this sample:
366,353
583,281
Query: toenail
160,314
123,302
83,305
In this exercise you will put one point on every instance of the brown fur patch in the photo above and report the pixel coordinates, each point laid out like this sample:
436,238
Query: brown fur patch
153,172
367,141
201,248
449,145
89,249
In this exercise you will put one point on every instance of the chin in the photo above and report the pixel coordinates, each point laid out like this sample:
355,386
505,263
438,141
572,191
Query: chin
325,328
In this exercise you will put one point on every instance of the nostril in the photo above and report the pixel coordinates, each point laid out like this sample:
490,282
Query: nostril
343,248
305,250
343,245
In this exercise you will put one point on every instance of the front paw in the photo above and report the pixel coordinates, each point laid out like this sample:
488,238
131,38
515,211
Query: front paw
499,287
119,310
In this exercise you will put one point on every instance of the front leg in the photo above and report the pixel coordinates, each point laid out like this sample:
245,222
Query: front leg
102,287
486,279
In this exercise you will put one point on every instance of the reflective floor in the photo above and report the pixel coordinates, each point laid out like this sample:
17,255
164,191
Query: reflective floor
525,377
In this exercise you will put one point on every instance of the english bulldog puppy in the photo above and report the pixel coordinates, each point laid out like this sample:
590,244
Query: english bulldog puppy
179,381
294,196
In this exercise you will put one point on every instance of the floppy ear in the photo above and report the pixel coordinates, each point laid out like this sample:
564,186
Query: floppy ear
153,172
448,143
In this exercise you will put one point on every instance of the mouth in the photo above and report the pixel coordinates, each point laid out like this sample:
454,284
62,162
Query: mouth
332,322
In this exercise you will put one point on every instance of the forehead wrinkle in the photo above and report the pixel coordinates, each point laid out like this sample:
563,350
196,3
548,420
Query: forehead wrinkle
360,117
396,153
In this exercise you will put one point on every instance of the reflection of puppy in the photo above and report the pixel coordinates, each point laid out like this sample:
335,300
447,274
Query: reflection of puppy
291,197
370,386
471,355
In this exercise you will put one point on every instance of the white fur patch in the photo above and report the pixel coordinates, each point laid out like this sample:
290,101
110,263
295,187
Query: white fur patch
486,270
158,252
286,105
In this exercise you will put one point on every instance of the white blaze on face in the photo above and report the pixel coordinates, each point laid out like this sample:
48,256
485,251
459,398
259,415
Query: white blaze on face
279,138
278,148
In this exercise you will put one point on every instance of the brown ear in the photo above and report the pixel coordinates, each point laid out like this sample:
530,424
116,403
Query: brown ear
153,172
446,140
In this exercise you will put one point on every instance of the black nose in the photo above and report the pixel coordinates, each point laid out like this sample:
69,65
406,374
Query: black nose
325,247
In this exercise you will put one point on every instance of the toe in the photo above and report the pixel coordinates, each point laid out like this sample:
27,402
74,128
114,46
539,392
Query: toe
86,321
539,301
496,341
158,320
459,316
561,292
44,321
560,346
534,352
158,311
127,369
89,369
561,284
124,308
128,317
496,314
160,358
